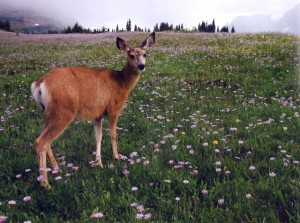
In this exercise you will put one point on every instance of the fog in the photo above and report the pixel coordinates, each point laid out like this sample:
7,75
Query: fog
109,13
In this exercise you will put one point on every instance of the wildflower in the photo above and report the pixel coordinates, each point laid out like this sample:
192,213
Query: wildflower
27,222
272,158
186,182
139,216
233,129
75,168
148,216
98,215
133,154
218,163
3,218
252,168
205,144
215,142
248,196
125,171
221,201
134,188
218,170
194,172
133,205
27,170
241,142
146,162
27,199
18,176
204,192
227,172
12,202
272,174
58,178
183,133
55,171
167,181
217,151
177,198
285,129
140,208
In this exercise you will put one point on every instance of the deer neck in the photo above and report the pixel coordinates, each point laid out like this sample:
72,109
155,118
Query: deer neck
130,76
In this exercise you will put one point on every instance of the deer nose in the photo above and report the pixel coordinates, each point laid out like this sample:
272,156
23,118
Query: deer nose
141,66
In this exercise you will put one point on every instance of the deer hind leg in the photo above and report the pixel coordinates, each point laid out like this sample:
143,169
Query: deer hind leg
113,134
98,135
53,128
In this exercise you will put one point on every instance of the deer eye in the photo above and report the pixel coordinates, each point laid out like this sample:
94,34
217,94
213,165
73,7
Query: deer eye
131,56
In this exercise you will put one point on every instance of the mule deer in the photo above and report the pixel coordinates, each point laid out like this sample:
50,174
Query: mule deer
69,93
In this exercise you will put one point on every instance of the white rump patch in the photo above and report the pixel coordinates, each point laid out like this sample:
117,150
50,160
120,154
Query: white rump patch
40,95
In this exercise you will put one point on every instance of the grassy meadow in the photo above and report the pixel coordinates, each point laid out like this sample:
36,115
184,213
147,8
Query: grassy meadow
211,133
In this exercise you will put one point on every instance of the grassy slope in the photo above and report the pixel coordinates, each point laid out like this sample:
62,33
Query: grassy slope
172,119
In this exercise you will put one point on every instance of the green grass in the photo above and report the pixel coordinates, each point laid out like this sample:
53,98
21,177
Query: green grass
179,119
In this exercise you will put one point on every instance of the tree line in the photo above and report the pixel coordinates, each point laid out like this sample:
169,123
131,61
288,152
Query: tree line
163,26
5,25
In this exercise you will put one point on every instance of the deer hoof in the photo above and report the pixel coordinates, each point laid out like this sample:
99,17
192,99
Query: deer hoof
46,185
98,163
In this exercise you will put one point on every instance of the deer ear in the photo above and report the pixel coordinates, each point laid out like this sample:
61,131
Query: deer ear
122,45
149,41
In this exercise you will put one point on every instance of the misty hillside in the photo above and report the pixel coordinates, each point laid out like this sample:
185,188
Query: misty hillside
289,22
27,21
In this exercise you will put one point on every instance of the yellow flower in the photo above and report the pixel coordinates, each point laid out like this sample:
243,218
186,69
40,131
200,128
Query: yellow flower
182,133
215,142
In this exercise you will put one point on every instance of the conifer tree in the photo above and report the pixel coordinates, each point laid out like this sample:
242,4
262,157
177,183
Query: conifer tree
232,29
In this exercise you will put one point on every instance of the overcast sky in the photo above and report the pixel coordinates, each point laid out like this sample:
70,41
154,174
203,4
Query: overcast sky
109,13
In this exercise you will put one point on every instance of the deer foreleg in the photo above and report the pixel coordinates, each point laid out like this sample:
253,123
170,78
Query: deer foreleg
98,135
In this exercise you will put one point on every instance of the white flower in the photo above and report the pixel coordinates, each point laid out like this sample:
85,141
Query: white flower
252,168
58,178
272,174
248,196
134,188
18,176
27,199
12,202
98,215
218,163
186,182
218,170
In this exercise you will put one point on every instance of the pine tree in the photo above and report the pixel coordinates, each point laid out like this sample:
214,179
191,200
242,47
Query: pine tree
213,26
128,26
117,28
232,29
